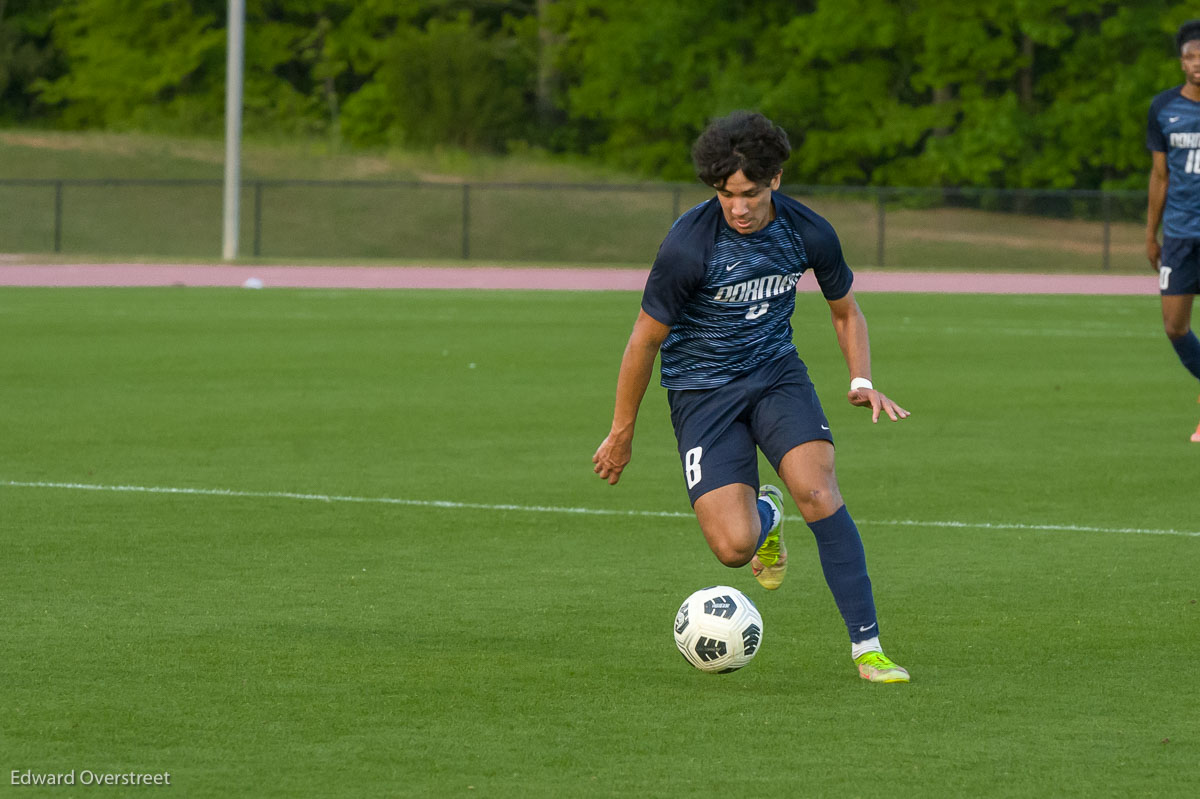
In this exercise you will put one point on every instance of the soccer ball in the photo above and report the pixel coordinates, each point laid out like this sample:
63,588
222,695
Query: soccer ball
718,629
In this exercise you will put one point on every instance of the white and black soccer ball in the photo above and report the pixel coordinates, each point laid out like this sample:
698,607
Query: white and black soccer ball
718,629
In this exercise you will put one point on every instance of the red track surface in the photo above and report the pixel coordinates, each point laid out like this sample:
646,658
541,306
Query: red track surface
484,277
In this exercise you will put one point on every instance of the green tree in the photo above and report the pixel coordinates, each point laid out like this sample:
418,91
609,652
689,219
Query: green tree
1045,93
649,75
449,82
27,54
137,64
1054,95
1033,93
1030,93
1105,64
295,77
852,100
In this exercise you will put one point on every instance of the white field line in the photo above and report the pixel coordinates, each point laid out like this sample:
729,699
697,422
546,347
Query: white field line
431,503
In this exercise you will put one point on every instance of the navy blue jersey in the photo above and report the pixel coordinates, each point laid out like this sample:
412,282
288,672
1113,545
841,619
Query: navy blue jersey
1174,129
728,297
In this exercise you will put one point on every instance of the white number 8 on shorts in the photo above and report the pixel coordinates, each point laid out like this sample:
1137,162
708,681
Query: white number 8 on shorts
691,465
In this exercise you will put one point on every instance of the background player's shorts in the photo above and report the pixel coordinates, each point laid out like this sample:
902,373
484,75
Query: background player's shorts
773,406
1179,268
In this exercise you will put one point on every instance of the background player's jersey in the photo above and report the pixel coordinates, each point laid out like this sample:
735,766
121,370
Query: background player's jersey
728,297
1174,129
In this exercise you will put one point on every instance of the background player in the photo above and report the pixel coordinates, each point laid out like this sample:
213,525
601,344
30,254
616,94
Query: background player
1173,137
717,306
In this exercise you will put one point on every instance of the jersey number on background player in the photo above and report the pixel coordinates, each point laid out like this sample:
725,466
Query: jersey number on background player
1193,162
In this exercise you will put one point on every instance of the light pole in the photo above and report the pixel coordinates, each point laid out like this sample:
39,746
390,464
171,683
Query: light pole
233,123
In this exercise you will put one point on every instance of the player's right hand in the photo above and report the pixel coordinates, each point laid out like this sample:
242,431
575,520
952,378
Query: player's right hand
1154,253
611,458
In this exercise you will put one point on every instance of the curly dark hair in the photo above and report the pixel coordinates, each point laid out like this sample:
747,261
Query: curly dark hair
1188,32
743,140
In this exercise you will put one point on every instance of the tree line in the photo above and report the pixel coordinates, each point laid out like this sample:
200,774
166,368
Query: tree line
1008,94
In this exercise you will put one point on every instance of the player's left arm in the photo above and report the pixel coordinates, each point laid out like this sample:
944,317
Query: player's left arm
851,328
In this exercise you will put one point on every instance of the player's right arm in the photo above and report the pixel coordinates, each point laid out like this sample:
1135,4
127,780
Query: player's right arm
637,366
1157,198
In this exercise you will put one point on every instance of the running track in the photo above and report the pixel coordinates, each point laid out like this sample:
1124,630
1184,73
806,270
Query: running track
488,277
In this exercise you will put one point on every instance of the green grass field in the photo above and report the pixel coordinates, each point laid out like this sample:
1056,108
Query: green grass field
414,586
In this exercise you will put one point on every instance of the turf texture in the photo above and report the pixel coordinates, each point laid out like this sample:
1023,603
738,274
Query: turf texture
334,543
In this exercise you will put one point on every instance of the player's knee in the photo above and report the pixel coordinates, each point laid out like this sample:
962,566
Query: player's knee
733,553
1175,329
818,503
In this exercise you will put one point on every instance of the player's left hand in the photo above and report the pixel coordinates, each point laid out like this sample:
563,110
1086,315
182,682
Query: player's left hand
877,402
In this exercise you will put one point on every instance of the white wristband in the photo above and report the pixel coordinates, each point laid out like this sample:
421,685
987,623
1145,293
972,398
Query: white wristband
860,382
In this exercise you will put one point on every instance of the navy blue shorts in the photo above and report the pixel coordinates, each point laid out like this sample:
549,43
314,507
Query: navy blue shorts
774,408
1179,268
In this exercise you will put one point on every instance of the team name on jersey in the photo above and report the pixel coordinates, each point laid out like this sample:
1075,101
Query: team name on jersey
760,288
1185,140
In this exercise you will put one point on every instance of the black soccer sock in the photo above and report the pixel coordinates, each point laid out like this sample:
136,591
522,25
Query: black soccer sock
845,566
1187,347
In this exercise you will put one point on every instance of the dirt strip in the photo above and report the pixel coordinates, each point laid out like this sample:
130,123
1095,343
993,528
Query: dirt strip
524,278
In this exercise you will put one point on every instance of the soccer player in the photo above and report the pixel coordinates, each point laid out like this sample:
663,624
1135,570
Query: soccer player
717,306
1173,138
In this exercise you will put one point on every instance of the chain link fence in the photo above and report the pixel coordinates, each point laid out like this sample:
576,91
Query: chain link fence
402,221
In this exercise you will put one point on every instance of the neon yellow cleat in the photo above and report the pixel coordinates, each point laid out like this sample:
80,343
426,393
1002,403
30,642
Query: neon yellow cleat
878,667
769,564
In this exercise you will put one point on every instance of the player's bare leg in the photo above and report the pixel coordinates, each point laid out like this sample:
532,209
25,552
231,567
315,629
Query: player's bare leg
808,473
740,525
1177,314
730,523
